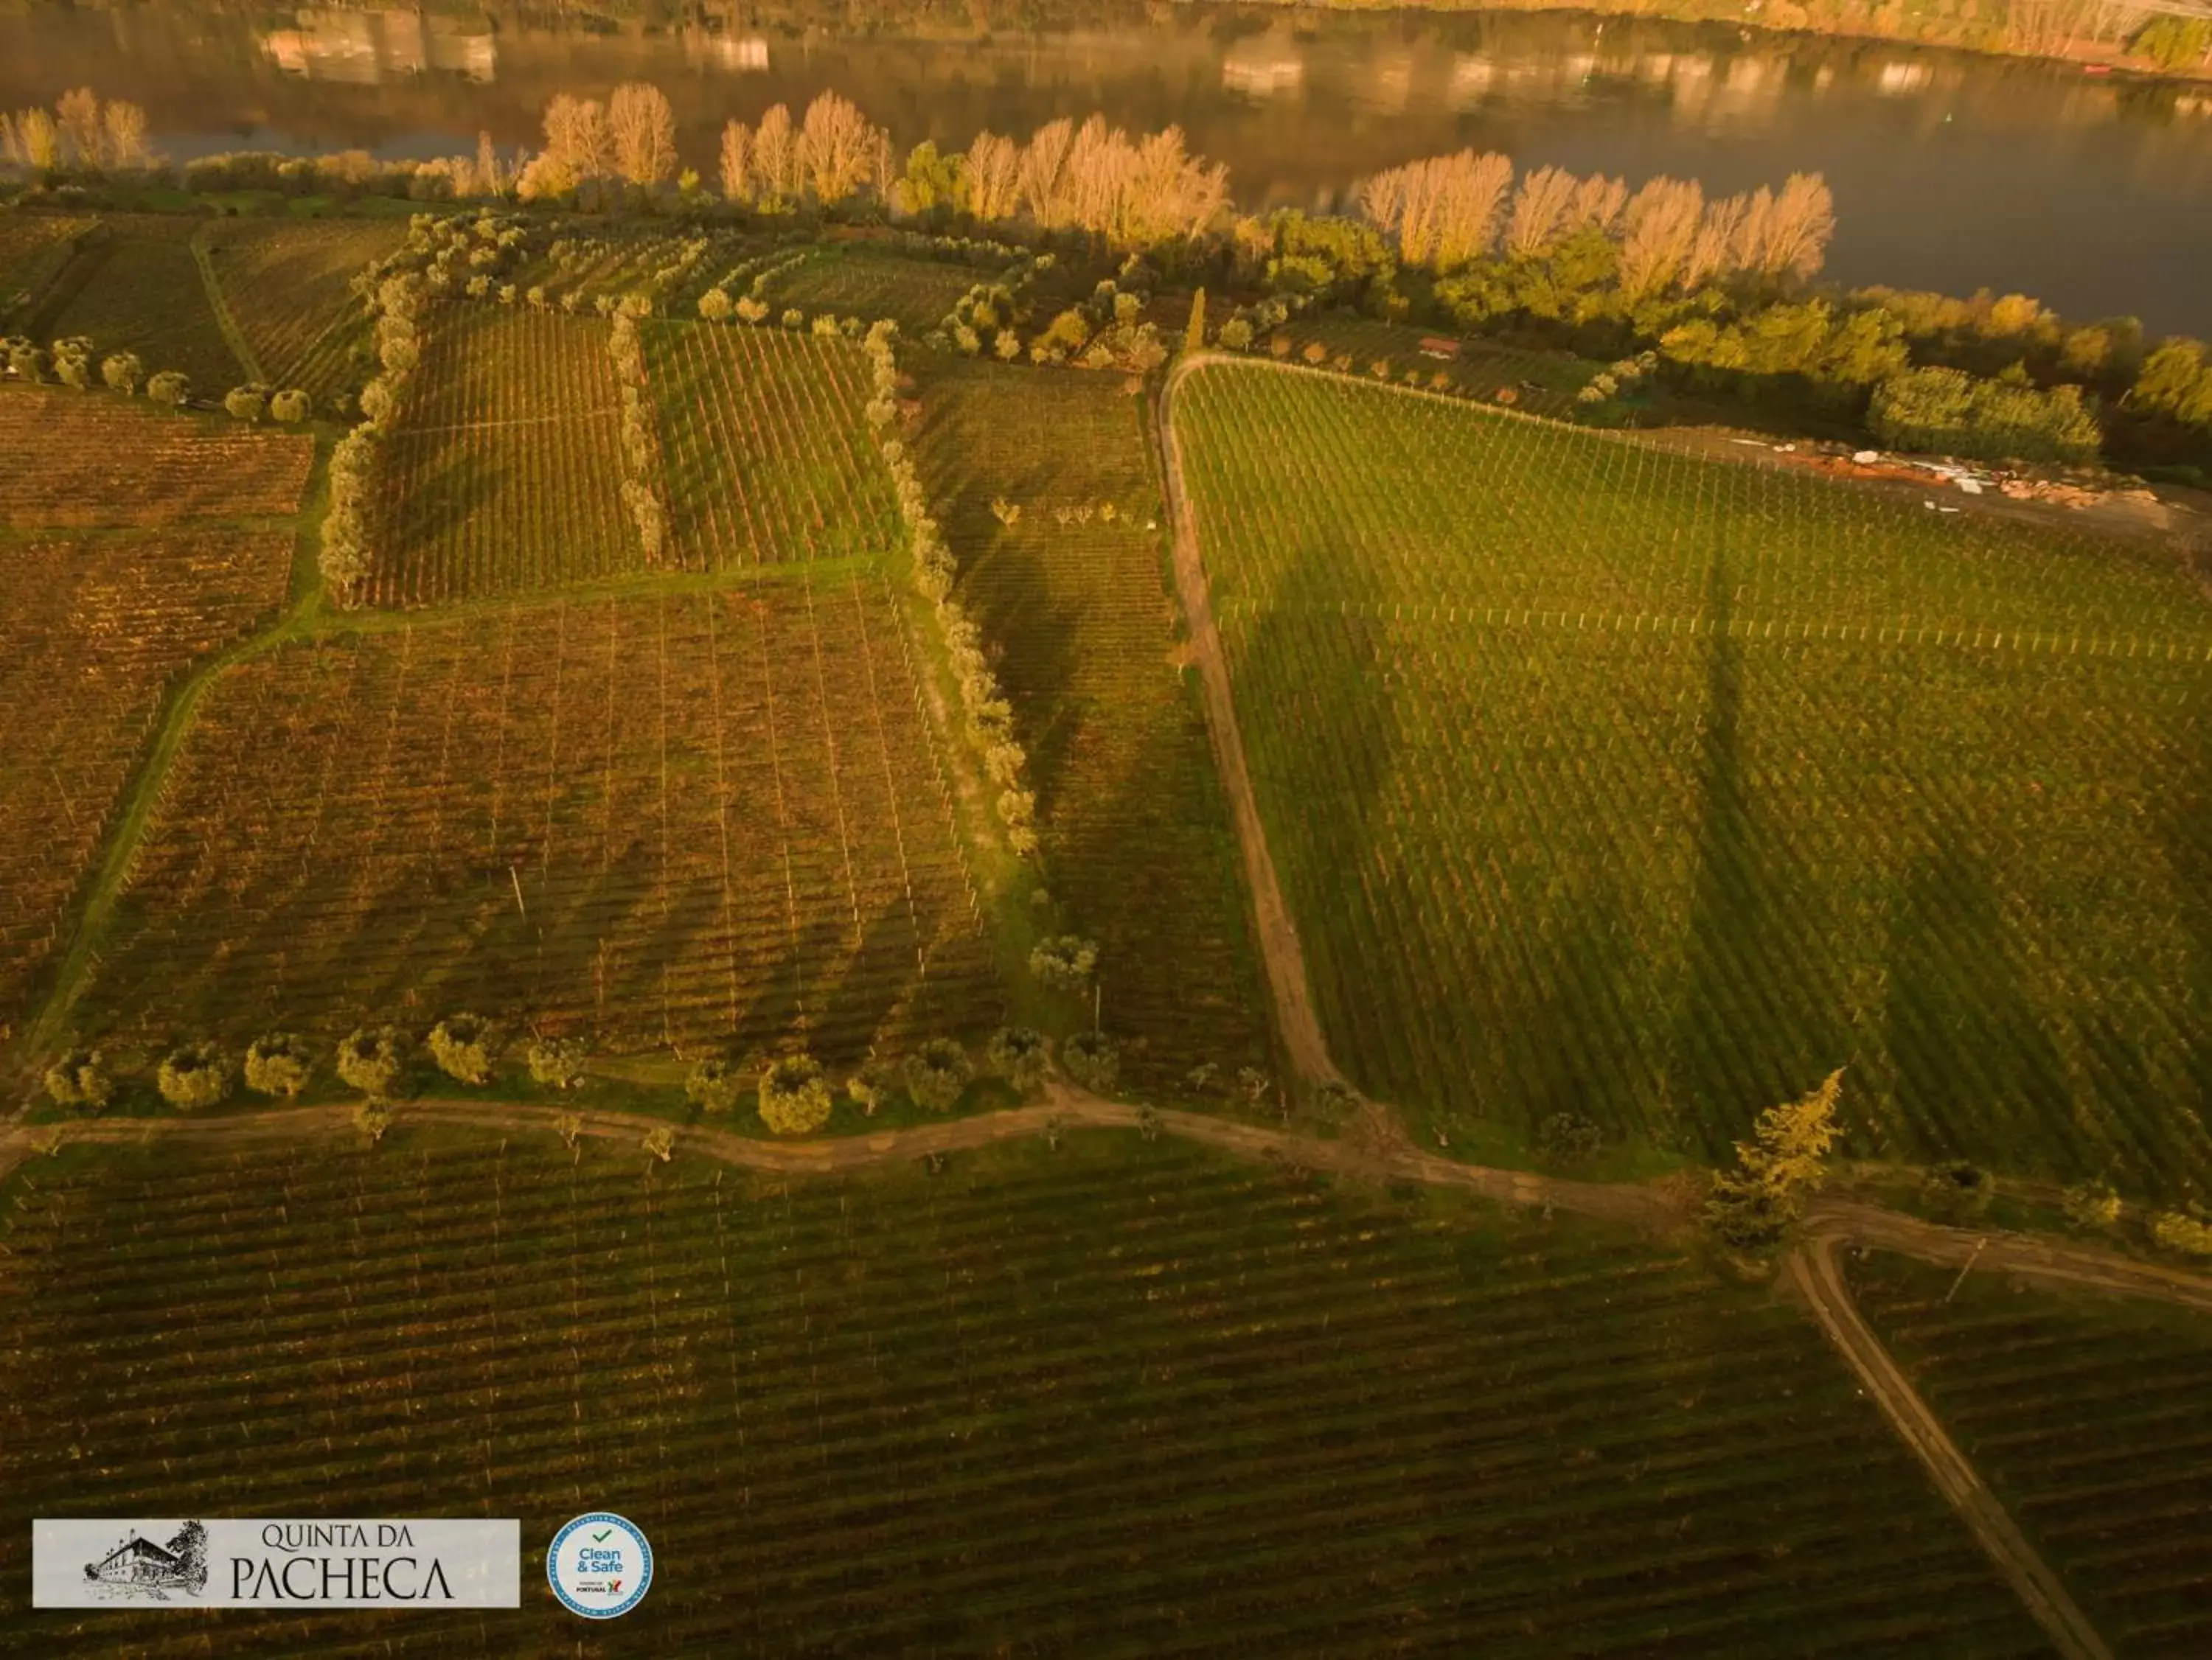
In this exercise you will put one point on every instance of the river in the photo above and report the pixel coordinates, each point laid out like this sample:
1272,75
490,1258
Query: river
1950,170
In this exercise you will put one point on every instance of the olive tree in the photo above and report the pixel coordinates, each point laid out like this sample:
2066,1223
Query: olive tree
712,1086
80,1079
370,1059
1064,961
122,372
937,1074
1019,1055
870,1087
463,1047
194,1075
715,307
1091,1059
247,403
372,1121
557,1062
277,1064
171,387
291,407
794,1096
660,1142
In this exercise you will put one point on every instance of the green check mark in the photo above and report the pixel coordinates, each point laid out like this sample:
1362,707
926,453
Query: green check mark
602,1535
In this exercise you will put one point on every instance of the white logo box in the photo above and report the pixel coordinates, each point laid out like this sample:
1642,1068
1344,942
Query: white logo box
276,1562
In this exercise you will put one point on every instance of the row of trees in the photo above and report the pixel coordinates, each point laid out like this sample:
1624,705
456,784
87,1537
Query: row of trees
80,133
1446,212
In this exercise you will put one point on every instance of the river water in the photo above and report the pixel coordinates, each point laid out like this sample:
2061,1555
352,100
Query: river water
1950,170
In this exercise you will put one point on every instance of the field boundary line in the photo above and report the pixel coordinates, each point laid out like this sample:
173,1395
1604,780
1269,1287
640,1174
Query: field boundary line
233,335
1813,1270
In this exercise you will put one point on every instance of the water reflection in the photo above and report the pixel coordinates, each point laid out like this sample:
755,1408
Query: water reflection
1950,170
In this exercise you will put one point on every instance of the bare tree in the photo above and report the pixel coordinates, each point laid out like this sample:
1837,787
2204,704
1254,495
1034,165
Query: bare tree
1539,212
1598,204
1444,210
124,125
40,139
1719,235
79,115
775,157
1662,222
994,176
1042,162
837,148
736,160
1797,234
642,129
577,137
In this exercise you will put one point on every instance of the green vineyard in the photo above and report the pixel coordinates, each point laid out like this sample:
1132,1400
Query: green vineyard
1122,1399
1609,781
1074,591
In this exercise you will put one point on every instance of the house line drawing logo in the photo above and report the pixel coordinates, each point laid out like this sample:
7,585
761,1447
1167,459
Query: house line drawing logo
139,1567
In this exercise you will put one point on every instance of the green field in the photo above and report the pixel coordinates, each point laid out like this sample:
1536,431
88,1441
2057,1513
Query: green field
860,282
766,454
2088,1418
1136,836
681,818
1607,780
504,474
1124,1399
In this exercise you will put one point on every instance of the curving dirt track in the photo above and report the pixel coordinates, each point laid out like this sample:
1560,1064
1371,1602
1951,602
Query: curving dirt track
1814,1270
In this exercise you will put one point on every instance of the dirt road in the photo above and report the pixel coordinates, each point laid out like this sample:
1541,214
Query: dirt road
1283,957
1813,1269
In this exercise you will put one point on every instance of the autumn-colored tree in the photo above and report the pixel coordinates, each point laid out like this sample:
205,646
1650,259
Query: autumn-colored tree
776,176
736,162
992,178
1784,1159
77,114
837,146
641,130
123,130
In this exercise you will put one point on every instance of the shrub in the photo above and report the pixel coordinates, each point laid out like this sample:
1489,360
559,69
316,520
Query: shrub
277,1064
80,1079
2006,419
291,407
1568,1138
2178,1230
463,1045
171,388
557,1062
1253,1084
714,306
712,1086
660,1142
370,1060
372,1121
1091,1059
1064,961
246,402
196,1075
794,1096
1958,1189
753,311
793,318
1019,1055
937,1074
870,1087
2091,1204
